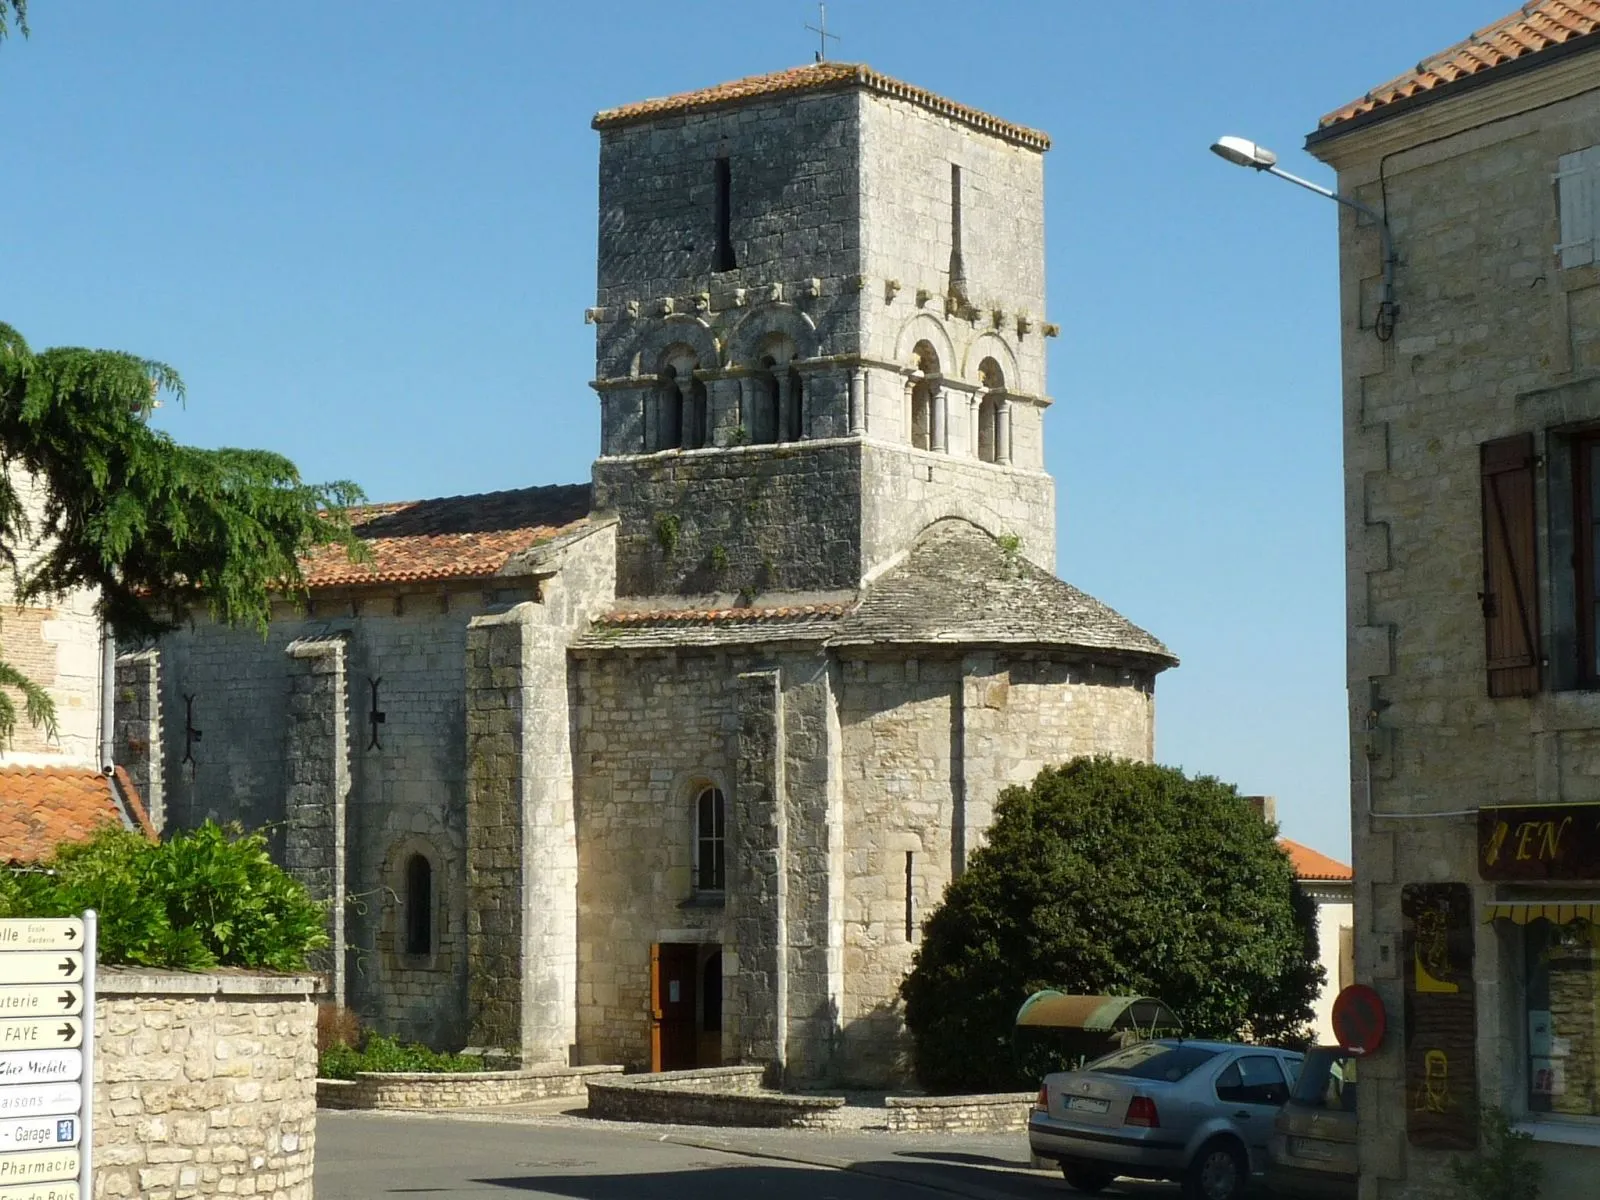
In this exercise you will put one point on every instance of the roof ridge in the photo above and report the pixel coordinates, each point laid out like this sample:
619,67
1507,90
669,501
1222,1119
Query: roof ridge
810,77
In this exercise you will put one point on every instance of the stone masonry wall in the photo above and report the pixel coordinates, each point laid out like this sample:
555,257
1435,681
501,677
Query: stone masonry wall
205,1085
138,729
1495,338
758,519
927,746
55,641
407,791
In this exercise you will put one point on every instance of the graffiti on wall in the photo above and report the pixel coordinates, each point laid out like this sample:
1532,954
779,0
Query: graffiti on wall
1440,1016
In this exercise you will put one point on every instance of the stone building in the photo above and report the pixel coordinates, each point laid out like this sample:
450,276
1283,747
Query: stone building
1472,438
667,769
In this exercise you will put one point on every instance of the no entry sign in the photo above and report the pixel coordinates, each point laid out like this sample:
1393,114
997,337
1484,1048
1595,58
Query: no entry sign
1359,1021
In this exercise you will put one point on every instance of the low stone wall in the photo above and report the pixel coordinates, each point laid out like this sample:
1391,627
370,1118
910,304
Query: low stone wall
1003,1112
458,1089
205,1085
725,1096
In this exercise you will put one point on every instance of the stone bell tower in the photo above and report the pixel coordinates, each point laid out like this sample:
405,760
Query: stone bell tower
820,328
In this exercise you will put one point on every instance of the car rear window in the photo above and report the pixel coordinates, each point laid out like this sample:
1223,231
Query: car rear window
1328,1080
1153,1060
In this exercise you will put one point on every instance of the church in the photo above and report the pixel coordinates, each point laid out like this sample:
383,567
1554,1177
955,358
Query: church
667,768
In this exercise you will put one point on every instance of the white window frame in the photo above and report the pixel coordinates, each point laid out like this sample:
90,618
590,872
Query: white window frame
1577,181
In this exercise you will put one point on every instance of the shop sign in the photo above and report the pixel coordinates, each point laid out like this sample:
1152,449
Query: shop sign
1539,842
1440,1016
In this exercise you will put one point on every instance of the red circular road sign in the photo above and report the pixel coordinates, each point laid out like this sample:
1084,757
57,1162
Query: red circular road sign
1358,1019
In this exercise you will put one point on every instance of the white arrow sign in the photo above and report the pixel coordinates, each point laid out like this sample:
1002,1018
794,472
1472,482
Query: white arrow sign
40,1100
66,1190
64,966
41,1066
63,1001
41,1033
30,933
38,1133
38,1166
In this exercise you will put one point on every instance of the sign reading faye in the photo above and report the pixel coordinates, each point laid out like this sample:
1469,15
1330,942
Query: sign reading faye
46,1057
1539,841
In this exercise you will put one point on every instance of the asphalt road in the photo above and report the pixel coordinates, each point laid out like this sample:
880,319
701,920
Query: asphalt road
362,1156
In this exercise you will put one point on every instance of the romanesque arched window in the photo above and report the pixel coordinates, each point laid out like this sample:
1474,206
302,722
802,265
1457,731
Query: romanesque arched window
419,905
994,382
669,410
764,415
710,844
797,408
927,431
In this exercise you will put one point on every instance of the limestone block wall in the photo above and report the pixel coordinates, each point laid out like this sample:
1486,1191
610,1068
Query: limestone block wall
927,745
808,516
407,792
1495,338
55,641
205,1085
907,153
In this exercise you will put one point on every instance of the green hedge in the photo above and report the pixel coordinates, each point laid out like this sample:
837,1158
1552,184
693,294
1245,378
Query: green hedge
212,897
379,1053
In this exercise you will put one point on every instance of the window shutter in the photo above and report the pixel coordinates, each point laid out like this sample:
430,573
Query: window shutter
1510,570
1578,187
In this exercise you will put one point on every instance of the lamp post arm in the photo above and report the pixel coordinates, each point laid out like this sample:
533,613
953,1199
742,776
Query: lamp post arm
1348,202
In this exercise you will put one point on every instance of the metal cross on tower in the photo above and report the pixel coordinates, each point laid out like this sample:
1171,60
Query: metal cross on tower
821,30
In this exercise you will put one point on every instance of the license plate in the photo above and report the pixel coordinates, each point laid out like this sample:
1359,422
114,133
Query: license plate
1310,1148
1087,1104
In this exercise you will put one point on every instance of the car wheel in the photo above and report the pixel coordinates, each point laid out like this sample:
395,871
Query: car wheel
1086,1177
1218,1172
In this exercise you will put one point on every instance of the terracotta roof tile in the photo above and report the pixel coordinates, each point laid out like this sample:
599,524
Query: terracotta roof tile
1534,28
674,616
818,77
41,807
1314,865
458,537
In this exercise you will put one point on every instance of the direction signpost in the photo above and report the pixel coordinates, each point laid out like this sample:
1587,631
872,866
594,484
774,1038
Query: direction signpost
46,1057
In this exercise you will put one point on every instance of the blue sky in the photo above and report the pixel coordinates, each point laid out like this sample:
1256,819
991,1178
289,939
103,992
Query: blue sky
364,233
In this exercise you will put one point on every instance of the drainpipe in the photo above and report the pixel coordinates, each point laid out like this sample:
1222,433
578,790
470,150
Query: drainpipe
108,697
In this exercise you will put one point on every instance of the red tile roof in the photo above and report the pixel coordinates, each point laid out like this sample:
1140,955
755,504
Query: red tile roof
41,807
818,77
459,537
668,616
1533,29
1313,864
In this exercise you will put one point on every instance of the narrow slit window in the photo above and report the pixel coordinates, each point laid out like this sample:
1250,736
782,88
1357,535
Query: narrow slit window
911,899
958,269
724,217
419,905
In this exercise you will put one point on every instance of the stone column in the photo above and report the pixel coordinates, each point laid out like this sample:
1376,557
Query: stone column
317,772
974,438
1002,431
522,859
780,376
858,401
651,419
138,729
688,433
939,401
758,895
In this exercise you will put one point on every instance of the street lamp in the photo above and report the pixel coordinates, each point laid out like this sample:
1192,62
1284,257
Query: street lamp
1244,153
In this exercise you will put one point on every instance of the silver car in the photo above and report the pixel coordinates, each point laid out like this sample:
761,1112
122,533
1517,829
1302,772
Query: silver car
1198,1112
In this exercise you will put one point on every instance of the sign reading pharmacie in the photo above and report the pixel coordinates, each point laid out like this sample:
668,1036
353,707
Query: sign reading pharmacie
47,977
1535,842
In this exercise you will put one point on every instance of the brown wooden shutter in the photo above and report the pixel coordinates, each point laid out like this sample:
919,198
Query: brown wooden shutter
1510,567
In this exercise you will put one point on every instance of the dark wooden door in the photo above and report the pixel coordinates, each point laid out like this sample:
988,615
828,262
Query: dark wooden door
672,1006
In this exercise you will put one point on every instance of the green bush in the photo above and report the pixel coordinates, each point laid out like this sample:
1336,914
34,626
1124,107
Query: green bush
208,898
1112,877
379,1053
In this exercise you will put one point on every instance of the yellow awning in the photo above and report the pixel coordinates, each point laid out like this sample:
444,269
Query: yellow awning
1559,912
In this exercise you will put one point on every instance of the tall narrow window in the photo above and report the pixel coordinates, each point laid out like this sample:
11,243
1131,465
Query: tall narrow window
710,841
911,898
922,416
419,905
797,408
724,217
958,269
